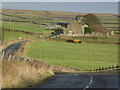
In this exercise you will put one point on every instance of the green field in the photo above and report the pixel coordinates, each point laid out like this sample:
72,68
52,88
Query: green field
113,39
14,18
8,36
83,56
24,22
23,26
111,21
40,19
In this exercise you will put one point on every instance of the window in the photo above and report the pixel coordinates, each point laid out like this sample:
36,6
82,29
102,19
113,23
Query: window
77,32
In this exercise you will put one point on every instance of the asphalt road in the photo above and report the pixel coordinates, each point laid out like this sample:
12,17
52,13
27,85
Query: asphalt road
10,50
82,81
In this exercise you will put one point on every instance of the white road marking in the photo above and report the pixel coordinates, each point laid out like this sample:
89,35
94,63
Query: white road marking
75,75
91,80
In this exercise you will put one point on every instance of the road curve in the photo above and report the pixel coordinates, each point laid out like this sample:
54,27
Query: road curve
82,81
16,46
10,50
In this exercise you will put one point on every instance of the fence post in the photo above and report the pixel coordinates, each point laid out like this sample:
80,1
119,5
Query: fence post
2,55
9,57
117,67
109,67
17,58
113,67
99,68
13,57
102,68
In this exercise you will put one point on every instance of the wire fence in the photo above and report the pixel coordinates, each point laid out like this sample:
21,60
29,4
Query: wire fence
114,67
105,69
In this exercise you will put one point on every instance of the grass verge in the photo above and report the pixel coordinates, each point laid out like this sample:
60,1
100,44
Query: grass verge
11,35
19,74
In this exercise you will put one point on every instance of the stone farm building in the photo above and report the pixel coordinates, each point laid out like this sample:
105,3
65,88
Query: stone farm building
74,29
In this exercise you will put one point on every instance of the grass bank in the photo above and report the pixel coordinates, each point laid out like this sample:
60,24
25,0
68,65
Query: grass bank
11,35
83,56
18,74
113,39
23,26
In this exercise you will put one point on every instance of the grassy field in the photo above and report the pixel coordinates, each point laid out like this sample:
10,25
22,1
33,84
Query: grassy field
113,39
8,36
35,17
112,21
83,56
23,26
15,18
21,20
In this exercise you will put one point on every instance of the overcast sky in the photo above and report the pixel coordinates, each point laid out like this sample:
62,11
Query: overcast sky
59,0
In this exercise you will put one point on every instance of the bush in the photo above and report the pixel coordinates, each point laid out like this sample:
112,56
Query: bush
88,30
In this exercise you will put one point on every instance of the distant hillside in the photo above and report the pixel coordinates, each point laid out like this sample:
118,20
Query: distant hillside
50,13
110,21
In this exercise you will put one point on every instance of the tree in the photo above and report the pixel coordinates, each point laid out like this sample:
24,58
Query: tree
88,30
93,22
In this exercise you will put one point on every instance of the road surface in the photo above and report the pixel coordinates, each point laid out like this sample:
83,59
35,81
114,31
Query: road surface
10,50
82,81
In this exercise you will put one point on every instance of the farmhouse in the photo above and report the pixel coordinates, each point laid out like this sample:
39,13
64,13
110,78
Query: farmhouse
75,29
